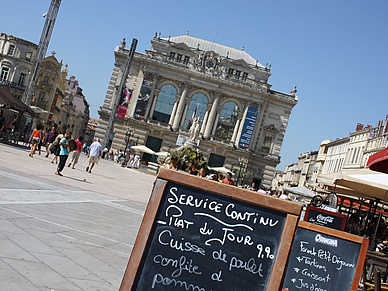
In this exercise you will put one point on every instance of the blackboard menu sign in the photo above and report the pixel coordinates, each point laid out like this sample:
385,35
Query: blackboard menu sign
325,218
204,235
324,259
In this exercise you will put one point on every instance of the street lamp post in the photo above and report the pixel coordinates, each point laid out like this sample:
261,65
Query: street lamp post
243,163
128,134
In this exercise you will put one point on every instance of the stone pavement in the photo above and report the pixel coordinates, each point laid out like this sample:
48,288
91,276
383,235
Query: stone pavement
64,233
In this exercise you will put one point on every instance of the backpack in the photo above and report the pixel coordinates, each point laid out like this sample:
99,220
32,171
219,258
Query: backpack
72,145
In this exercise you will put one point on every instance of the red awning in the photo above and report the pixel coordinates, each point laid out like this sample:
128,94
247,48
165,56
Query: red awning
379,161
355,205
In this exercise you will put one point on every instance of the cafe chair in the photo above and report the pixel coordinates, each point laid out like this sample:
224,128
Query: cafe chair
376,284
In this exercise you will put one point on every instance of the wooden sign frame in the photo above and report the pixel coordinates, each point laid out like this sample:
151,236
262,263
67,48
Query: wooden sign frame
364,242
291,209
344,217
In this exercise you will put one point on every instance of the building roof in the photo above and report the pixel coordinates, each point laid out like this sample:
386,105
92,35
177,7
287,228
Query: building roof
206,45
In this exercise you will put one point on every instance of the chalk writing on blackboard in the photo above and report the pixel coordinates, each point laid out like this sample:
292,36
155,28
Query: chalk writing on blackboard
321,262
325,218
201,241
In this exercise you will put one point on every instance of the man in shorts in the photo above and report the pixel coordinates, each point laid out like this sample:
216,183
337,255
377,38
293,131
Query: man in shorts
94,153
77,152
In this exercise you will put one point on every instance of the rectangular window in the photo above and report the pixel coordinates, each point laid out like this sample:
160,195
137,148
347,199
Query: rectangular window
172,55
179,58
267,143
41,95
154,144
245,76
4,74
46,79
21,78
11,50
28,56
238,74
230,72
186,61
216,161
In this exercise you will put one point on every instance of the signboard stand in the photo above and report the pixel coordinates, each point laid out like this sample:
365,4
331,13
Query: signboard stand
198,234
322,258
325,218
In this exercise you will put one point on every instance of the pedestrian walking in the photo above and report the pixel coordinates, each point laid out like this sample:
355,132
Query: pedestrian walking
105,153
56,148
35,139
26,133
2,123
126,159
77,152
135,161
64,153
51,136
42,139
94,154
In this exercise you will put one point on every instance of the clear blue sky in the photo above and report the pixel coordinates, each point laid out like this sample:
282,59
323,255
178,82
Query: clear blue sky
335,52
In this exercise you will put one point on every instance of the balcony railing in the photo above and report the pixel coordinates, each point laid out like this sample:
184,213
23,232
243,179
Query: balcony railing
13,85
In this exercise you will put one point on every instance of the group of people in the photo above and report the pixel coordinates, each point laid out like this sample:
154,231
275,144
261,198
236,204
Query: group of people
228,179
172,165
60,144
65,145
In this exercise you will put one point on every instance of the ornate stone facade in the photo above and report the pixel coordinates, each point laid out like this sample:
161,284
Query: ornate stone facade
184,77
16,57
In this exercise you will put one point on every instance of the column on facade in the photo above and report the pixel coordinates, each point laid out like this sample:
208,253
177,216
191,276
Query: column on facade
12,75
180,108
135,93
215,124
240,128
259,122
204,121
212,115
235,131
154,103
150,102
174,108
184,114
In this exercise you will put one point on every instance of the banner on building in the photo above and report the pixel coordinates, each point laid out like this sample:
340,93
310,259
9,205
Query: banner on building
183,138
142,100
123,103
248,127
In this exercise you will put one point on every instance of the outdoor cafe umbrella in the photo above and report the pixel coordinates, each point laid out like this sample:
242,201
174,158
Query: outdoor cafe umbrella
143,149
303,191
222,170
162,154
379,161
370,183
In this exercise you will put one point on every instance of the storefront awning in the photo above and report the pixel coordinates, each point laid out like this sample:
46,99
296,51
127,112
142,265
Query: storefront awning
379,161
39,110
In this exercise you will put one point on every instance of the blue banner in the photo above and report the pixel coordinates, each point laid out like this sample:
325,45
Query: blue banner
249,126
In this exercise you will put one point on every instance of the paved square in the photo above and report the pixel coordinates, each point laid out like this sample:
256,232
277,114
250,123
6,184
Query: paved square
64,233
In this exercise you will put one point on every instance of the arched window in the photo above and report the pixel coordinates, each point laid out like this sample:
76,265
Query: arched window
198,102
164,104
227,121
